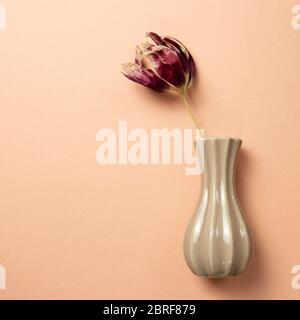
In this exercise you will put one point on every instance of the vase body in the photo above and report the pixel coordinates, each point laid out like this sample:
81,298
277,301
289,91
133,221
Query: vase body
217,243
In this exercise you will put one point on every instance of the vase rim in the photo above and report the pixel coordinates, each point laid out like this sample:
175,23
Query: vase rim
214,138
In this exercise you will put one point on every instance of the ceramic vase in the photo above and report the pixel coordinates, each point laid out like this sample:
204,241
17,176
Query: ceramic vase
217,243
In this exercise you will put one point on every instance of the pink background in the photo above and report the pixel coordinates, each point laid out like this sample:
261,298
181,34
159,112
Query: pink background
70,228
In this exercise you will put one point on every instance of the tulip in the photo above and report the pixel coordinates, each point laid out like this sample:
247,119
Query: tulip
164,65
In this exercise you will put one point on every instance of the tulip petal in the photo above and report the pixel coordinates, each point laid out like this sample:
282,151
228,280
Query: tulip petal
166,64
174,43
138,55
186,59
161,65
156,38
144,76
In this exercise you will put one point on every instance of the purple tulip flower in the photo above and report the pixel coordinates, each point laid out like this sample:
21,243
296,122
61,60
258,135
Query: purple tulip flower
164,65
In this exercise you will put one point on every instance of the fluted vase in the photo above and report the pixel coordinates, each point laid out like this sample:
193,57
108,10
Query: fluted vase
217,243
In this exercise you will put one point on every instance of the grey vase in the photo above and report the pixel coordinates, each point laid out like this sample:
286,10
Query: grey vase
217,243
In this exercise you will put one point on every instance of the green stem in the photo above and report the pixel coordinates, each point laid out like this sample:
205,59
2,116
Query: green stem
190,110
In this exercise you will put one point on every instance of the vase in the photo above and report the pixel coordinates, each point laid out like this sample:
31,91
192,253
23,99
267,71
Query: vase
217,243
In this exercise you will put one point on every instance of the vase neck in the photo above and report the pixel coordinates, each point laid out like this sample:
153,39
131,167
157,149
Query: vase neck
219,159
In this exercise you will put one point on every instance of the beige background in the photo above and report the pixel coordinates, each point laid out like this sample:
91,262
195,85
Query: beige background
70,228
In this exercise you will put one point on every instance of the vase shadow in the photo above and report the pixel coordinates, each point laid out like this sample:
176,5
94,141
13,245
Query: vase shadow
255,272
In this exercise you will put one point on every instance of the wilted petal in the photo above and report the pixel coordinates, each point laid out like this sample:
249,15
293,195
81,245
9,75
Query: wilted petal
174,43
138,55
160,41
186,59
145,46
155,37
144,76
166,64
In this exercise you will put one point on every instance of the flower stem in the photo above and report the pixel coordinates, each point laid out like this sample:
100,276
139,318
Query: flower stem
189,109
